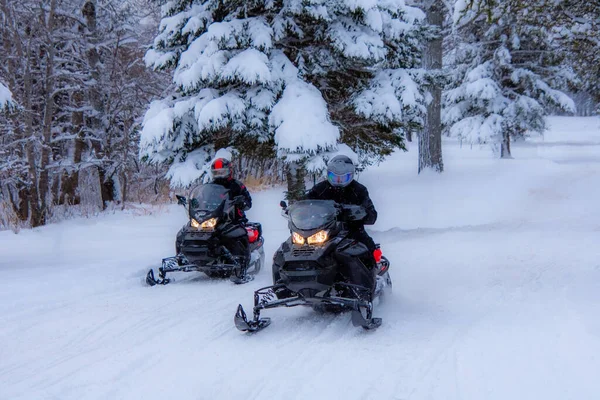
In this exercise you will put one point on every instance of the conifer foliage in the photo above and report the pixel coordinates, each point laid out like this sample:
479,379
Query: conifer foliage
298,75
506,73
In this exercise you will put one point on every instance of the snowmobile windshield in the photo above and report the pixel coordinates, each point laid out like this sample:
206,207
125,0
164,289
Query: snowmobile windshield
312,214
207,197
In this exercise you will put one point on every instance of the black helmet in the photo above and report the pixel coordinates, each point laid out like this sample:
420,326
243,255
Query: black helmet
221,168
340,171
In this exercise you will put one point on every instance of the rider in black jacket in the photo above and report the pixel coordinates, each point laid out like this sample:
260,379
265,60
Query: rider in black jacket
341,187
222,173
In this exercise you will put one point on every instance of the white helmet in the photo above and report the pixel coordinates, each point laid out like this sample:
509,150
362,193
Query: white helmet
340,171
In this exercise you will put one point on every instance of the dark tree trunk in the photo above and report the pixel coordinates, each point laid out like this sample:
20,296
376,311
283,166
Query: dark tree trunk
33,197
12,44
107,187
430,140
295,175
505,147
69,194
23,206
93,58
124,178
44,183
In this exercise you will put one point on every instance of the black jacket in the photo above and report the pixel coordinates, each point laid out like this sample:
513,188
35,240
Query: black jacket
354,193
236,188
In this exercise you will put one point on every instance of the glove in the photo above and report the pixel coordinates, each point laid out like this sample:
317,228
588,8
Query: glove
239,201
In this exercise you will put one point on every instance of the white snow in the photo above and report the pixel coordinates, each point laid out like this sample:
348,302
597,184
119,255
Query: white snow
306,132
183,173
496,270
5,97
250,66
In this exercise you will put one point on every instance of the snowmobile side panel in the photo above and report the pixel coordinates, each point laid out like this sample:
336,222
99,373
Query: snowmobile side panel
235,232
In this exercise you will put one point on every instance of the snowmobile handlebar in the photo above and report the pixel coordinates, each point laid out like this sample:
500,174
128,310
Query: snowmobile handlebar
352,212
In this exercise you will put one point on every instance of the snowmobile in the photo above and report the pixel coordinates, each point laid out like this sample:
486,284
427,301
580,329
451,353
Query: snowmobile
312,266
199,244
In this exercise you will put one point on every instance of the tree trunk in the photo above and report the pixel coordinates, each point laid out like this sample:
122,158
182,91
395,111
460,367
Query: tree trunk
295,175
33,195
505,147
48,114
430,140
107,187
69,193
93,58
12,40
128,124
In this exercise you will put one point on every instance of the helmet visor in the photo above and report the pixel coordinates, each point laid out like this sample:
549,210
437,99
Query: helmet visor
339,180
220,173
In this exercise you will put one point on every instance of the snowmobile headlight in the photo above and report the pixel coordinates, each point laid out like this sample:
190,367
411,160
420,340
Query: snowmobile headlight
209,224
318,238
297,238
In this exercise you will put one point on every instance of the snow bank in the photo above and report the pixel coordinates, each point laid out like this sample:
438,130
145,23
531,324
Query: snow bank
477,189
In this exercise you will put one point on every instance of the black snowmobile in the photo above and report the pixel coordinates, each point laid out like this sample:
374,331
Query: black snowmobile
199,244
311,267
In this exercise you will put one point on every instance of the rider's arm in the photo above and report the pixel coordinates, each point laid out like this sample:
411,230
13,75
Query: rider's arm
369,208
316,192
247,197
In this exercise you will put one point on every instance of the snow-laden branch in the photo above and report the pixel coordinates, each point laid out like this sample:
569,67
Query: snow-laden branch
6,99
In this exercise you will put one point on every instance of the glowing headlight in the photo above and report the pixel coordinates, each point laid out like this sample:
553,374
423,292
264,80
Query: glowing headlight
209,223
318,238
297,239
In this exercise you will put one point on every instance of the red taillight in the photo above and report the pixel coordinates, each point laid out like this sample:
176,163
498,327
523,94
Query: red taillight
377,255
252,234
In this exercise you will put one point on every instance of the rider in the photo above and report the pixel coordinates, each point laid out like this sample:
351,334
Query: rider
222,174
341,187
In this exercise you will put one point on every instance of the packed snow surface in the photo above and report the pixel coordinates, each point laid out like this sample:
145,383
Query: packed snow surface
496,269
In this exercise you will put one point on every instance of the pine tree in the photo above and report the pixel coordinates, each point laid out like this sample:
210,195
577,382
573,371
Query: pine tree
576,25
506,73
303,75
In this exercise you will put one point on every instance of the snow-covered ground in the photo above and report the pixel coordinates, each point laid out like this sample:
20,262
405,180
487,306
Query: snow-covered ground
496,269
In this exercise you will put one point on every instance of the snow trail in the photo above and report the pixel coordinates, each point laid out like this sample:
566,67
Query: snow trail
496,270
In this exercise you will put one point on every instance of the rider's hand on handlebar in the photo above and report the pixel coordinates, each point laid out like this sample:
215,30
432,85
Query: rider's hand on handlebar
239,201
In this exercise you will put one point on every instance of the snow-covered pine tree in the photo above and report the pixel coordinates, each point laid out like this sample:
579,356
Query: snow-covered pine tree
576,25
506,73
301,74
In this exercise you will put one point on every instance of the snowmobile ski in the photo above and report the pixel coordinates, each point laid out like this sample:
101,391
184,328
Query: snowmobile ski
242,323
152,281
241,280
369,324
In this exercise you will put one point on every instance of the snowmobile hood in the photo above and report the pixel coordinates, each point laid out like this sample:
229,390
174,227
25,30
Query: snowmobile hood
310,215
207,201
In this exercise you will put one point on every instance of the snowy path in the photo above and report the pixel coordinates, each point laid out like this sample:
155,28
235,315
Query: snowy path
496,269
